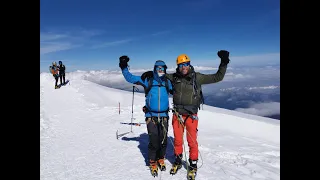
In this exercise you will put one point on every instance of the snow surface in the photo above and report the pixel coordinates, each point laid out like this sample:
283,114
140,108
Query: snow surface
78,125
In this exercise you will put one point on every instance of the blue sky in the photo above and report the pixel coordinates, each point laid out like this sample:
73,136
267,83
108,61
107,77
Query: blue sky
92,34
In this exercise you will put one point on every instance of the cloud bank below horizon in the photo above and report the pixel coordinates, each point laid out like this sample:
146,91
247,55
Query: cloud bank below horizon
249,90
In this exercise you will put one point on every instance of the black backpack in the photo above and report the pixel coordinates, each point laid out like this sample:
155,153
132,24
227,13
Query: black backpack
62,68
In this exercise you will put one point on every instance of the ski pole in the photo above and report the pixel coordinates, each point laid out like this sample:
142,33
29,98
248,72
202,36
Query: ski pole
132,106
133,90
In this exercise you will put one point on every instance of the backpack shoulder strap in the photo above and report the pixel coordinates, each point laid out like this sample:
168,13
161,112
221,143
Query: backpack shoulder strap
198,88
173,82
167,85
150,83
175,78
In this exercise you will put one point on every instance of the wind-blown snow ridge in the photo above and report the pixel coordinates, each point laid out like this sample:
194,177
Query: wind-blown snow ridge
77,137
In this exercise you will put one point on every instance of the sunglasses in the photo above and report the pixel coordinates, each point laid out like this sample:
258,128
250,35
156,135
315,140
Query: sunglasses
184,64
160,68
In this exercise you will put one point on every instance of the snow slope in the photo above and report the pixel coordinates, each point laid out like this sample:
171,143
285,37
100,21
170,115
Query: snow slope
78,123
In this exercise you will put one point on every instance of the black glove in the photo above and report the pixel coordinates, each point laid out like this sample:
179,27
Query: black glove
123,62
224,56
144,109
147,74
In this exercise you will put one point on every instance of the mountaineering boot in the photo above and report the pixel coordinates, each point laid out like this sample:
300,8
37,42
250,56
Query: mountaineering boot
192,173
162,165
153,168
56,87
176,165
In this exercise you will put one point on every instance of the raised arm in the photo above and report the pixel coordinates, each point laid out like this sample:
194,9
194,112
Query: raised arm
212,78
132,78
219,75
123,64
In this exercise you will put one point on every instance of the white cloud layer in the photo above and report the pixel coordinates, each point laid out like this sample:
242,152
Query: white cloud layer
240,89
262,109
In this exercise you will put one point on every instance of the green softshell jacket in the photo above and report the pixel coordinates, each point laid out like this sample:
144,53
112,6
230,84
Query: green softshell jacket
186,96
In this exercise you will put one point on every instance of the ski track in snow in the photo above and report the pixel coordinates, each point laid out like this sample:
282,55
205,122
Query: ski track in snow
78,123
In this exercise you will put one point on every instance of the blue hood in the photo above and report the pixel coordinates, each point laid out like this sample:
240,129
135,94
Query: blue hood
155,74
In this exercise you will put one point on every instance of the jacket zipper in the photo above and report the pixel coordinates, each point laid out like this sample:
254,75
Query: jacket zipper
181,92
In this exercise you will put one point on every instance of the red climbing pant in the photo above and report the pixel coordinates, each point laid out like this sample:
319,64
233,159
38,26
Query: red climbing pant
191,125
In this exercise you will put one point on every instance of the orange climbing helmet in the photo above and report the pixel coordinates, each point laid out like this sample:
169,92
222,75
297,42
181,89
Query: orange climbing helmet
183,58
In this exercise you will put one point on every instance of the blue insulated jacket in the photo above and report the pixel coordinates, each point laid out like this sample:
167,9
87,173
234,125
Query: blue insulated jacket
157,100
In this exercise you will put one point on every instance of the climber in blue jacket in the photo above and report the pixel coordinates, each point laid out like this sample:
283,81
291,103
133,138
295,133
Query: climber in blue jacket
157,90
